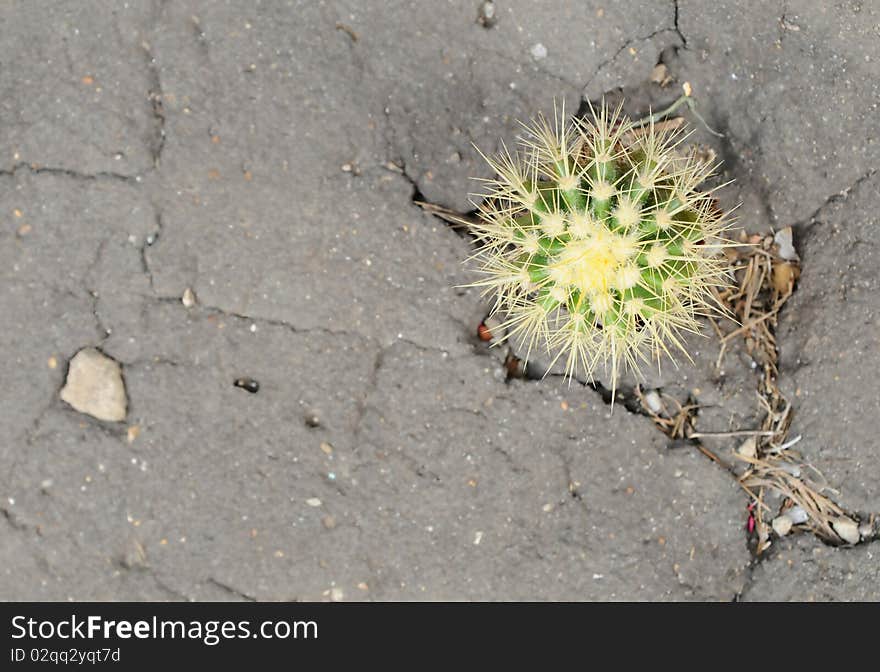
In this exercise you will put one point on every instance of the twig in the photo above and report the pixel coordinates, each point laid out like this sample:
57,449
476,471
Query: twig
744,432
685,99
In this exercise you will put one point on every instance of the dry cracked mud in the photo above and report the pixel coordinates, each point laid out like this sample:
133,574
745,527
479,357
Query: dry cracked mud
263,160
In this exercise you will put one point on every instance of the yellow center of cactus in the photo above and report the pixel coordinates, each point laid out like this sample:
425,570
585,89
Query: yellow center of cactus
592,265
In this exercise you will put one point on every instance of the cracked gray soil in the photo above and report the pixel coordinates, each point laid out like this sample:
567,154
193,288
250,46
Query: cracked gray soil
268,159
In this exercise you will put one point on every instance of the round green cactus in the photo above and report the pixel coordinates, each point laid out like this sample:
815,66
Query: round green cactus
597,244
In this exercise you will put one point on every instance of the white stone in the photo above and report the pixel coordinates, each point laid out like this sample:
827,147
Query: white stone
783,239
653,402
189,298
847,530
748,448
94,386
782,525
798,515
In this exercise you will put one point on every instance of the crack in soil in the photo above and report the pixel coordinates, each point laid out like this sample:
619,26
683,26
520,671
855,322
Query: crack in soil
675,18
372,384
150,240
836,197
155,97
226,588
13,520
608,61
36,169
95,296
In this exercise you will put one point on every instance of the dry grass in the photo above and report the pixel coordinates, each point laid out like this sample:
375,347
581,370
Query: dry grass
766,270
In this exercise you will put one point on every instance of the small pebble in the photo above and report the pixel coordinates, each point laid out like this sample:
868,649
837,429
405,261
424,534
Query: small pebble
789,25
847,530
783,239
539,51
660,74
326,448
95,387
313,501
652,401
248,384
337,595
748,448
329,522
189,298
782,525
495,327
483,332
134,555
514,366
798,515
312,420
486,16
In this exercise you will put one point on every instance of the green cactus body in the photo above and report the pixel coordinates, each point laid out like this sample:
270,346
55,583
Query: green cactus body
597,244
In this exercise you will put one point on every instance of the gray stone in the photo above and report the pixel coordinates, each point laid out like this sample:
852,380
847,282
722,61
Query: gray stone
782,525
847,529
94,386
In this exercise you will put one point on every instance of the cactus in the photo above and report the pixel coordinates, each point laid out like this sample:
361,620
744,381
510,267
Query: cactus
596,243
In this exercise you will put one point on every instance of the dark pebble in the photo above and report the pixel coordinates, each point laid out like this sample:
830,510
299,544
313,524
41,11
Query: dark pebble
248,384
